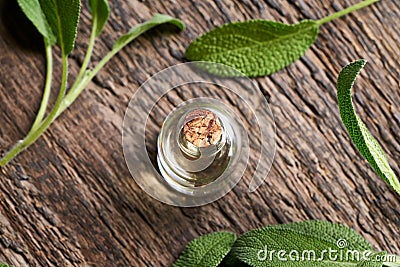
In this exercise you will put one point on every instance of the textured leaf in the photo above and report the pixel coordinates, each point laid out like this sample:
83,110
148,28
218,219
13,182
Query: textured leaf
231,261
206,251
256,47
63,17
308,239
34,12
143,27
100,13
362,138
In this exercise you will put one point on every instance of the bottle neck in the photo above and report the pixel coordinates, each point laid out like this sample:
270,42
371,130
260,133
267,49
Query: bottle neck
192,151
201,134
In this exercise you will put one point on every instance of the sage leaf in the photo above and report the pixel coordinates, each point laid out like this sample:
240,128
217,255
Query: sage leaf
303,244
258,47
34,13
206,251
100,13
231,261
143,27
255,47
362,138
63,18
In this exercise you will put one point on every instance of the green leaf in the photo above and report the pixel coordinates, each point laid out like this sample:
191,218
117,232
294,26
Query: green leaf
100,13
63,17
34,12
206,251
304,244
255,47
231,261
362,138
143,27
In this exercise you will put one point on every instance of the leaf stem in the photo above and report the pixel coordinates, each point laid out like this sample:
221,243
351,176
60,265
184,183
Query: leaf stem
35,134
60,105
64,100
346,11
47,86
79,86
89,52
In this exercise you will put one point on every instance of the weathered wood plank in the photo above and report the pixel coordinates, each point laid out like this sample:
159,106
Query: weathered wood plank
69,199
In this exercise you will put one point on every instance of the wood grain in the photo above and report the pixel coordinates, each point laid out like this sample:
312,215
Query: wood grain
69,199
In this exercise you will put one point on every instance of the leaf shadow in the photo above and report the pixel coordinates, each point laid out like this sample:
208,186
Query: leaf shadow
17,29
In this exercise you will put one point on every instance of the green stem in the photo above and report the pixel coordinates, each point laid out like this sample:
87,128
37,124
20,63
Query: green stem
59,107
47,86
89,52
82,79
63,100
346,11
79,86
35,134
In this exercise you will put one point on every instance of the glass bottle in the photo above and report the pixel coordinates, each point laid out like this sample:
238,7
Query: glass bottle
197,146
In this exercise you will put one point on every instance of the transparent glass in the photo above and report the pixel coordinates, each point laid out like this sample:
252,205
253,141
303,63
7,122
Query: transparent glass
248,127
191,169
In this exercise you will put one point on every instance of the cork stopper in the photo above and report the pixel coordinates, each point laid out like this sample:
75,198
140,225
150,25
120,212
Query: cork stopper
202,128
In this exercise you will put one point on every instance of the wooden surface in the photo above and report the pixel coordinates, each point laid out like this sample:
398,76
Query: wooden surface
69,200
